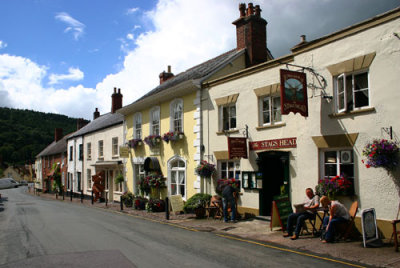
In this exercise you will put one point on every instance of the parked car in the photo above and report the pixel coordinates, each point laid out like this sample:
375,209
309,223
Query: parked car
6,183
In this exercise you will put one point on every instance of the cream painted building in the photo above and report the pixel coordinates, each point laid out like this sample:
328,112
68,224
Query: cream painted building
353,93
95,148
175,106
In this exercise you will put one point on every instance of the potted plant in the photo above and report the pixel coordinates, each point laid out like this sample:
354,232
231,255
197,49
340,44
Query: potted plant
134,143
197,204
205,169
381,153
152,140
155,205
127,199
140,202
172,136
334,186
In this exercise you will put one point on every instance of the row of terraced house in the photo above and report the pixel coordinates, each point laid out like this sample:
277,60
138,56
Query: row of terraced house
352,95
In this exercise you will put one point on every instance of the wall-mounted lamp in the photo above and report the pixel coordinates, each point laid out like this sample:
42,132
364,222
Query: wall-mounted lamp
388,130
327,97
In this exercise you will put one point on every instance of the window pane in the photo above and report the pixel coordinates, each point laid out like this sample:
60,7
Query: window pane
173,177
361,98
173,189
330,170
277,109
225,118
349,92
340,89
266,111
330,157
347,170
360,81
181,177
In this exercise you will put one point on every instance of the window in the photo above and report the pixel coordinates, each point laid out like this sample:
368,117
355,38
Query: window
270,110
155,121
71,150
115,146
176,115
229,170
137,124
80,151
101,149
228,117
89,150
89,179
79,181
177,182
352,91
118,187
338,162
138,176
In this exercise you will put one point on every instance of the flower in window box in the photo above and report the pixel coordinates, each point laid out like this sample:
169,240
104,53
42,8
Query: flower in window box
135,143
334,186
205,169
381,153
173,136
152,140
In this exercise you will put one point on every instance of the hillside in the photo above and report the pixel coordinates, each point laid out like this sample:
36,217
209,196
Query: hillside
25,133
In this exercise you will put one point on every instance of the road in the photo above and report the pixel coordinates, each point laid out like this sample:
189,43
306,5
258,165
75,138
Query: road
37,232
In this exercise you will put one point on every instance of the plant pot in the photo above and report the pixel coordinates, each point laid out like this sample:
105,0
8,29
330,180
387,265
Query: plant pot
200,212
180,136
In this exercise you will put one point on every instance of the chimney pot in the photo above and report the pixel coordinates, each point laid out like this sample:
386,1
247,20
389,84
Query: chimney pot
169,68
115,90
116,100
258,11
250,9
96,114
242,9
164,76
302,38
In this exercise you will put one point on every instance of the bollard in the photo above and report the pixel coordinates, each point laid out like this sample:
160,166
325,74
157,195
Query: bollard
92,197
120,201
63,193
166,208
56,195
106,198
71,195
81,196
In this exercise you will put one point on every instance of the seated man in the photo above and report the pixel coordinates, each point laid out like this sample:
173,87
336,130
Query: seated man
311,203
337,213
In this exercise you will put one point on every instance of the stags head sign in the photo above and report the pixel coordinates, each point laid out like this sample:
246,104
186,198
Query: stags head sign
293,92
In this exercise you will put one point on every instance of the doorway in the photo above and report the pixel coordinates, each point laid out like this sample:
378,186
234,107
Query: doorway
274,166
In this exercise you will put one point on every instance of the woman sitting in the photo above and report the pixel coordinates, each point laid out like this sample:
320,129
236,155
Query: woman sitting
338,213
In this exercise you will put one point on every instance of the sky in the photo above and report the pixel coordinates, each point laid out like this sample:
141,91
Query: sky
66,56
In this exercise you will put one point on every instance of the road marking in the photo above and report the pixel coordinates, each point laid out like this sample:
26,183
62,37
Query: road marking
289,250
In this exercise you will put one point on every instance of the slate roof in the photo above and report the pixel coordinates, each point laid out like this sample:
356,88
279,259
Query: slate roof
55,147
196,72
102,122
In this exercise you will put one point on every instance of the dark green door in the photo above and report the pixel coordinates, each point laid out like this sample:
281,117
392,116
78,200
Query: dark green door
274,167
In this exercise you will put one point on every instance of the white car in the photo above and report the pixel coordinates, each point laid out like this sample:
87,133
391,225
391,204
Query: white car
6,183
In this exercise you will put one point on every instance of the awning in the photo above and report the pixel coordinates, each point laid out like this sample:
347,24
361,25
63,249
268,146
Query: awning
152,164
107,163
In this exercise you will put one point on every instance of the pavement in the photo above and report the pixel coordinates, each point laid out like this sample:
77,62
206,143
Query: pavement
258,231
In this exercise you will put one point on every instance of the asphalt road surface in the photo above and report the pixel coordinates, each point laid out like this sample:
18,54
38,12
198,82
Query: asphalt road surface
37,232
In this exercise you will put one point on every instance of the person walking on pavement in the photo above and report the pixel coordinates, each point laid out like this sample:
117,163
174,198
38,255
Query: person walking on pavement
228,192
311,203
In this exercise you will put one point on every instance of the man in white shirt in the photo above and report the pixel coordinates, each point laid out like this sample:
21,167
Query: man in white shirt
311,203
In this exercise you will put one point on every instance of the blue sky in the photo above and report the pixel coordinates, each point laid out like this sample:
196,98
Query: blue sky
65,56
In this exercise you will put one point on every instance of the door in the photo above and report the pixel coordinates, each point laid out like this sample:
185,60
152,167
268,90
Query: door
274,167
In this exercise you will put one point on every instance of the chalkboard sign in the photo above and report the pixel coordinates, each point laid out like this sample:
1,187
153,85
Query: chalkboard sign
176,203
281,209
369,228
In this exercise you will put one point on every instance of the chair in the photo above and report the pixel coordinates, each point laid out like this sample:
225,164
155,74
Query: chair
396,235
348,226
215,208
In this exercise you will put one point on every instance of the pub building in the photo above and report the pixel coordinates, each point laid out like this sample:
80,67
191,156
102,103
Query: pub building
307,116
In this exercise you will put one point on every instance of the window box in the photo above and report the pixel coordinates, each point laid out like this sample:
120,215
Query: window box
173,136
152,140
134,143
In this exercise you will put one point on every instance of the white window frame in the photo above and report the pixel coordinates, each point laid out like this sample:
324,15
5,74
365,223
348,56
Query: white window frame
236,169
271,110
101,148
345,93
173,120
89,150
155,111
177,170
221,117
137,126
139,174
114,146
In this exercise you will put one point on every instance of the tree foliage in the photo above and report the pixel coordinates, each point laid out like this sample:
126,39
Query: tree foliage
25,133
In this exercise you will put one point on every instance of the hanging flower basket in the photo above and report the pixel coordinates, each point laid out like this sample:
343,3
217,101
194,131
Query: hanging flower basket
381,153
334,186
172,136
134,143
152,140
205,169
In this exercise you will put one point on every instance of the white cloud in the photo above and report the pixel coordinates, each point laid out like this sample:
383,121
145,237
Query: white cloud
132,10
74,26
74,74
3,44
130,36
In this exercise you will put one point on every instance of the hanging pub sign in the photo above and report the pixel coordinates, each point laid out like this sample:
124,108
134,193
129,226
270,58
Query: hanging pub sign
237,147
293,92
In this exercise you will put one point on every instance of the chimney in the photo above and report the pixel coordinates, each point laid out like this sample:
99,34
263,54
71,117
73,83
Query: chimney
251,34
96,114
164,76
58,133
80,123
116,100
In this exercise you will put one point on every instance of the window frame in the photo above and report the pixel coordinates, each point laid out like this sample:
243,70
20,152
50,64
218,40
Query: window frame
177,170
114,146
152,125
71,152
175,103
271,110
236,169
345,93
222,119
89,150
100,149
89,179
80,152
137,132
